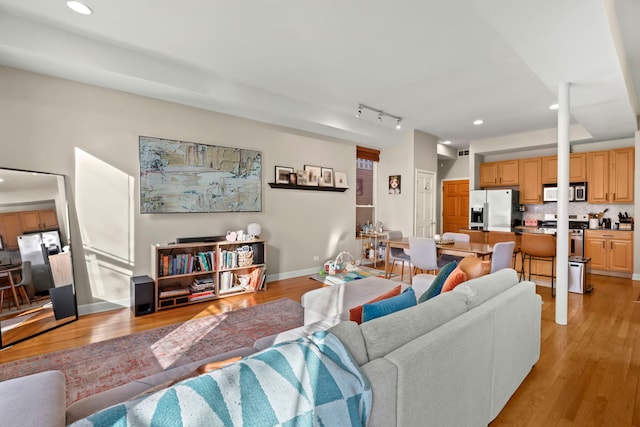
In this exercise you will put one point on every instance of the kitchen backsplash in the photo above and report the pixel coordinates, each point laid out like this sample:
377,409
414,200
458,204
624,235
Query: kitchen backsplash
538,211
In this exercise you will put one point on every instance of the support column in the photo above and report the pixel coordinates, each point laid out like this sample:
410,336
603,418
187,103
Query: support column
562,238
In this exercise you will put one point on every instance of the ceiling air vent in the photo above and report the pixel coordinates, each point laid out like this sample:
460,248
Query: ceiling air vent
463,153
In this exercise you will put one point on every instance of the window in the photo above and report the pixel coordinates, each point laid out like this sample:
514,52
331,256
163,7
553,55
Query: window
366,161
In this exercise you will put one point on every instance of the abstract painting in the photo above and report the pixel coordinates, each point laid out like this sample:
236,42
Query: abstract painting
178,176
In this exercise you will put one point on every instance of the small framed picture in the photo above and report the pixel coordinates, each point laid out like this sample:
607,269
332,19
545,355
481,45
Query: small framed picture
394,184
313,174
326,177
283,174
340,180
293,178
301,177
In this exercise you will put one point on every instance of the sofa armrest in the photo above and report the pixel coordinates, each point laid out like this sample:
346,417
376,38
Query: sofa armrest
34,400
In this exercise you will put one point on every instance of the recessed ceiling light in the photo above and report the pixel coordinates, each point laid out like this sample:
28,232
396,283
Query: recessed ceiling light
478,122
553,107
81,8
446,142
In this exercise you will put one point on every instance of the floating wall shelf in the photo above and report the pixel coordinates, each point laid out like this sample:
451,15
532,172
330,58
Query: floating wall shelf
307,187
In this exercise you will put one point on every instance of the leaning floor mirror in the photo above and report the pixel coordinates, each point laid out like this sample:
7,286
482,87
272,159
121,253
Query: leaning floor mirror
37,289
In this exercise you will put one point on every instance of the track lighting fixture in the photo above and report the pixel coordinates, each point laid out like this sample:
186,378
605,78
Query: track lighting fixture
381,114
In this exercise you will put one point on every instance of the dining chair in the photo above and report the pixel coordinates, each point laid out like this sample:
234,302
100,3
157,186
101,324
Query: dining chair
424,256
25,288
475,236
398,254
494,237
540,247
456,237
19,287
502,255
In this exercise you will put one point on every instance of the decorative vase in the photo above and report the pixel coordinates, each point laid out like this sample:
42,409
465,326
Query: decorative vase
254,229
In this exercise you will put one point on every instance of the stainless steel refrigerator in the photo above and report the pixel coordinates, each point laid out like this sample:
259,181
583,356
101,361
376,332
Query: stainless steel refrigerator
37,247
494,210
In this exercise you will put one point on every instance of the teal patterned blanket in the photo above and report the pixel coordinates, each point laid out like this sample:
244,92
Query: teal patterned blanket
309,382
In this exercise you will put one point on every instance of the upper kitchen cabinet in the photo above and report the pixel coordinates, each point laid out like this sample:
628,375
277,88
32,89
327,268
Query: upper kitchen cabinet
577,168
499,174
10,229
610,176
40,220
530,171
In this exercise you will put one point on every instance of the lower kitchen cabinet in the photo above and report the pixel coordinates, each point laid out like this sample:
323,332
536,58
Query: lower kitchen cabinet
609,250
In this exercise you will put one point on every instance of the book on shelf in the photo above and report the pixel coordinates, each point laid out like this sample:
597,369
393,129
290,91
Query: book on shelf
256,279
173,292
201,295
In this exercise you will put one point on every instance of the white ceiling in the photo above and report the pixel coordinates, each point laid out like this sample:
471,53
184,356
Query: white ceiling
438,64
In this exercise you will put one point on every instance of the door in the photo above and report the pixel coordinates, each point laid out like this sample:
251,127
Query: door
598,176
455,205
424,214
530,180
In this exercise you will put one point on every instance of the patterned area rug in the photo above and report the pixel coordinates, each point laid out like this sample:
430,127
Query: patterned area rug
100,366
360,273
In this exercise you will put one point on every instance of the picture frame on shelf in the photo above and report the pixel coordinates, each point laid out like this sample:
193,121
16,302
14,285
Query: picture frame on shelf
301,177
313,175
340,180
293,178
326,177
283,174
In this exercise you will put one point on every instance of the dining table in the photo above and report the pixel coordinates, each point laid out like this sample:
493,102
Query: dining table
455,248
10,271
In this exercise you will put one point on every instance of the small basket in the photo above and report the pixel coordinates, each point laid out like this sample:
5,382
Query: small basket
245,256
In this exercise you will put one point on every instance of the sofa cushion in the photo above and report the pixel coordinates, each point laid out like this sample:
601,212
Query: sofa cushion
351,336
456,277
474,267
436,285
34,400
355,313
481,289
389,305
387,333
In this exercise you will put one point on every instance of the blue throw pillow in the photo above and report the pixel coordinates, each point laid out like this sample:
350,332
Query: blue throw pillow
436,285
390,305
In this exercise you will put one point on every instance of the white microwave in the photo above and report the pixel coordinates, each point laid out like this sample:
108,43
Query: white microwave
577,193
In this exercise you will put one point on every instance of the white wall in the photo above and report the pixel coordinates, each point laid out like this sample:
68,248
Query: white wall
91,135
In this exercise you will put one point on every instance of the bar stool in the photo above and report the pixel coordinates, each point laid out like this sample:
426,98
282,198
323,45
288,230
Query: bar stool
541,247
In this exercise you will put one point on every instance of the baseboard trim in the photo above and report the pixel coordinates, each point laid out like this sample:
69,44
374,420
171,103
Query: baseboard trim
98,307
291,274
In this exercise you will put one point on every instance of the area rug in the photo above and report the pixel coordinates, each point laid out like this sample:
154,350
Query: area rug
100,366
360,273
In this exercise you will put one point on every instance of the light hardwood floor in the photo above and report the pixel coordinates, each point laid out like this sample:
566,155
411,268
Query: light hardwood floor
588,373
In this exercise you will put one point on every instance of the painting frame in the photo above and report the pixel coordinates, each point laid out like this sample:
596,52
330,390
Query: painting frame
326,177
283,174
313,175
188,177
340,180
395,184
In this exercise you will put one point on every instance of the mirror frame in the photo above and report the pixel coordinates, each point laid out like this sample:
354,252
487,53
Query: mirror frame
61,293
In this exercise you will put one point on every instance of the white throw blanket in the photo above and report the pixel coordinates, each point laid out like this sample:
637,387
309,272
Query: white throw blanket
312,381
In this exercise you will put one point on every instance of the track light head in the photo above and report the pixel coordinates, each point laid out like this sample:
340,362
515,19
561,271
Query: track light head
379,117
398,125
359,112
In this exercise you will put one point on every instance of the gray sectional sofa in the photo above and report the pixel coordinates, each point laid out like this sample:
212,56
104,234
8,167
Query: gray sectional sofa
453,360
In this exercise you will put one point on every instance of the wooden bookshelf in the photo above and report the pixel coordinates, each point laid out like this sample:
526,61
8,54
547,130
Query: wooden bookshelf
188,273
